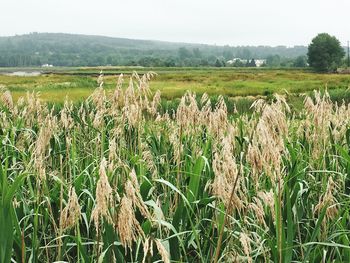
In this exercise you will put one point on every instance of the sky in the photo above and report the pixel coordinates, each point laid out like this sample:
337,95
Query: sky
220,22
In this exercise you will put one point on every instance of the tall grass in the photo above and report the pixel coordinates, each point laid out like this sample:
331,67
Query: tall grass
117,178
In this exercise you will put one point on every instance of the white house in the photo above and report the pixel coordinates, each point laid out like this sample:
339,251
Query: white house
258,62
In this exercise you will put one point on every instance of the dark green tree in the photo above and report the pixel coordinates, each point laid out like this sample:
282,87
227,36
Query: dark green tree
218,63
170,62
300,62
325,53
252,63
238,63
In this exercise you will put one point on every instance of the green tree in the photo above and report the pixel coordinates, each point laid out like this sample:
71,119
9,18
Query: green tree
325,53
170,62
184,53
252,63
273,61
238,63
218,63
300,62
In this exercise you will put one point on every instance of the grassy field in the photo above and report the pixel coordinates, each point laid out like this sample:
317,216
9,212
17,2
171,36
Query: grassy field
115,179
78,83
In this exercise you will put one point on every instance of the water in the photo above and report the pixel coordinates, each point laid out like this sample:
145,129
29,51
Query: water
24,73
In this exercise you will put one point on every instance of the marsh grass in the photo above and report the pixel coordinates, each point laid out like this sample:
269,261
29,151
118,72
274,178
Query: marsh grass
78,83
121,177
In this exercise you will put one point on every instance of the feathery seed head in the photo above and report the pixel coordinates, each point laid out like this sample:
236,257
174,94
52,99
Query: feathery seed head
70,215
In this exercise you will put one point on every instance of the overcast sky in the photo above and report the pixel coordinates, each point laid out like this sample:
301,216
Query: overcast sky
232,22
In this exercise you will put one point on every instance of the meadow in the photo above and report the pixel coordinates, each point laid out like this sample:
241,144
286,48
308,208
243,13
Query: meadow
118,178
234,83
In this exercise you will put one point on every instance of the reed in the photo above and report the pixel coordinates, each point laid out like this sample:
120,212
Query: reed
116,178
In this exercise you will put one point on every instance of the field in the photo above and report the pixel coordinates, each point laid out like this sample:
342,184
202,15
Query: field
79,83
116,178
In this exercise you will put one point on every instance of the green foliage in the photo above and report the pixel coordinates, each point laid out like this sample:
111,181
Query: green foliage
325,53
290,203
37,49
234,84
300,62
8,220
273,61
218,63
251,63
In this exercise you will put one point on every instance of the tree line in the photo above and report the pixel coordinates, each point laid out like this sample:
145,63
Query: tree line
37,49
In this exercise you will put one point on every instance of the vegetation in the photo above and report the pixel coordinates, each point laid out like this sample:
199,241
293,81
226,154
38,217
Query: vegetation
117,179
239,87
325,53
81,50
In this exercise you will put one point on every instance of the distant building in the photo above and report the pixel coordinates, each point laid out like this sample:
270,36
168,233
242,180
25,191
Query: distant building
258,62
46,66
343,70
232,61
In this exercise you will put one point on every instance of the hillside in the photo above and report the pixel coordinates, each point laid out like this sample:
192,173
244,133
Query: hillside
61,49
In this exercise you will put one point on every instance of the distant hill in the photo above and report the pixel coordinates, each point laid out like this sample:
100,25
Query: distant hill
60,49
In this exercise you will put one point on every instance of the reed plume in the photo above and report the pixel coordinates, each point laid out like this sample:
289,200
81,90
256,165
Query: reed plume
71,214
104,198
